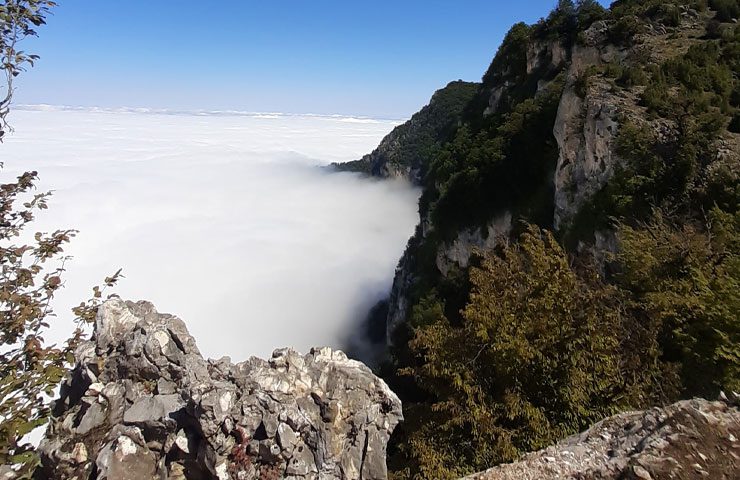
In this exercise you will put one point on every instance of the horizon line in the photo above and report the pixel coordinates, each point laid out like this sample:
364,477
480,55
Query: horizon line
199,112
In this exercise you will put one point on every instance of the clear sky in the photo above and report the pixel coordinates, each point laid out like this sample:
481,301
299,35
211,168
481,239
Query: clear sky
375,58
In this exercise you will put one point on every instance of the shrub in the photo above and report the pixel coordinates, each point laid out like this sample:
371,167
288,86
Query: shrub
735,123
536,357
632,76
685,280
623,31
727,10
30,275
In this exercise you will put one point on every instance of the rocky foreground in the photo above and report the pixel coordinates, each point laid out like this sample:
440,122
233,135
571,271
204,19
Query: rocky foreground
142,403
692,439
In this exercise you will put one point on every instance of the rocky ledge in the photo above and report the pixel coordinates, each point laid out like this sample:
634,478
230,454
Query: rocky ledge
691,439
142,403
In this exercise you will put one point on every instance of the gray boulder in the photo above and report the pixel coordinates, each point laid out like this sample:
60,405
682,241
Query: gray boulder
142,403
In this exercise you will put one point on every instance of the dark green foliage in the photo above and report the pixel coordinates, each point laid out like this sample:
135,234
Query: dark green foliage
588,12
510,62
567,19
484,377
583,81
632,17
504,166
652,9
734,126
623,31
727,10
632,77
697,91
685,282
561,22
499,387
415,141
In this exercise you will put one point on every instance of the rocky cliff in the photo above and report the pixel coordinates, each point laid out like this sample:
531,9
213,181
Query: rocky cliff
142,403
594,95
689,439
592,125
404,153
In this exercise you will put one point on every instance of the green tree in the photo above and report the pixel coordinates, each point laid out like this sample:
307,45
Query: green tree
537,356
18,20
727,10
685,281
30,274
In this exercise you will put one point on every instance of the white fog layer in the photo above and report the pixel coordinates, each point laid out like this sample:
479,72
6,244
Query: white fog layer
224,220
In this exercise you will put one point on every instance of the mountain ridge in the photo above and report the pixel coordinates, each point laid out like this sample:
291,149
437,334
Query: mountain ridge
616,131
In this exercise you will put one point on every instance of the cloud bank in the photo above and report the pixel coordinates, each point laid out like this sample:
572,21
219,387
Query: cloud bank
222,218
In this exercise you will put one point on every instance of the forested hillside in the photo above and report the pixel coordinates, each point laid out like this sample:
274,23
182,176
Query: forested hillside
409,148
578,252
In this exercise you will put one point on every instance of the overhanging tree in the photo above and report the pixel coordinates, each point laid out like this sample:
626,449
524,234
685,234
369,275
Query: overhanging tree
31,268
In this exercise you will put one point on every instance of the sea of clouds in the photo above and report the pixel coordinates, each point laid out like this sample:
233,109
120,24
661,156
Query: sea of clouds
225,219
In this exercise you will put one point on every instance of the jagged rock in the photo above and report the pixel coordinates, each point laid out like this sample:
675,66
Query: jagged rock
689,439
143,404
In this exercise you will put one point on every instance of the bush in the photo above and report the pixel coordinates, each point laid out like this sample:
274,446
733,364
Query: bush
727,10
734,126
30,275
623,31
583,81
632,76
667,14
685,281
536,358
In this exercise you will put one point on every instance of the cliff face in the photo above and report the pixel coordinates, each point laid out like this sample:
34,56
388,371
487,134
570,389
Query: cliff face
143,404
586,126
404,152
689,439
601,127
592,104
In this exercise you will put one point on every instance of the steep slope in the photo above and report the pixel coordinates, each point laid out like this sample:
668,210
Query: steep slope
617,131
405,152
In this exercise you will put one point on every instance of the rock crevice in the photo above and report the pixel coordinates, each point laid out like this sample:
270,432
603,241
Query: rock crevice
142,403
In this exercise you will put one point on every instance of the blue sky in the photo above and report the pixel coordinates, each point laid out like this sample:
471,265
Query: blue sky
375,58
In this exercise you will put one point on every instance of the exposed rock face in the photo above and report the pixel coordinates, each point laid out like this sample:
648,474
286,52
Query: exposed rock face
588,122
456,255
403,280
585,131
586,128
550,55
143,404
689,439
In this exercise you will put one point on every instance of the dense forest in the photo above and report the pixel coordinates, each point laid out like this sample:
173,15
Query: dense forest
602,151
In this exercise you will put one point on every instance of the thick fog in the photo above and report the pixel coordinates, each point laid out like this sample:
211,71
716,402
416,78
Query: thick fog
224,219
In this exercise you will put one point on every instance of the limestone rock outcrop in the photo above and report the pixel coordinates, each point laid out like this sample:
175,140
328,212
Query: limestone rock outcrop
142,403
689,439
457,254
